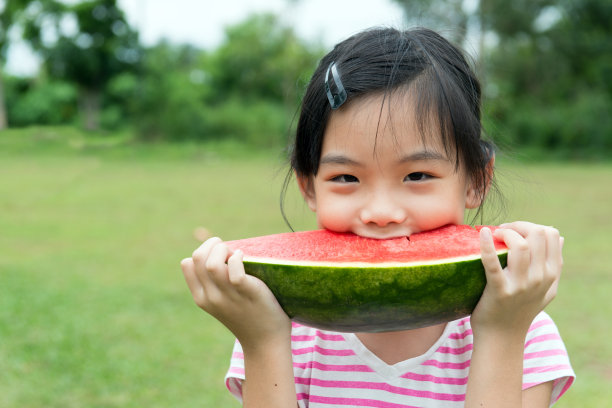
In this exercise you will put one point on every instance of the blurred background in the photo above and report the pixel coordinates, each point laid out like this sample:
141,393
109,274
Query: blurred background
131,130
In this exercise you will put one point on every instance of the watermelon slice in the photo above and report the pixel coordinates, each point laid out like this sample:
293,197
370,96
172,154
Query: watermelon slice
344,282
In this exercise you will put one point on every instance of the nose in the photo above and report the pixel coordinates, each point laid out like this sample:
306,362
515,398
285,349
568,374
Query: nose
382,209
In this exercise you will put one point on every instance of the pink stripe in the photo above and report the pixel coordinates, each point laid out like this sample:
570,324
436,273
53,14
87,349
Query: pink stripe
460,336
302,396
334,367
238,355
324,336
545,353
236,370
454,366
539,324
435,380
568,383
324,351
366,385
357,402
452,350
546,369
543,337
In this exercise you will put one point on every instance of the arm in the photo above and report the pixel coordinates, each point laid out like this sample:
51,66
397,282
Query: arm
245,305
511,300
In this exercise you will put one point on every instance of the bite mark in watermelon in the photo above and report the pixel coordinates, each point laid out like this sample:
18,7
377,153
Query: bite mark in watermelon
344,282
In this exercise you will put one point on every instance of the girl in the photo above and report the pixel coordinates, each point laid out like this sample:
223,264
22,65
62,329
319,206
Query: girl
389,144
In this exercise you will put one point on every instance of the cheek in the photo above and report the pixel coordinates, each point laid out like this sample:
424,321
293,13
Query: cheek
437,213
335,215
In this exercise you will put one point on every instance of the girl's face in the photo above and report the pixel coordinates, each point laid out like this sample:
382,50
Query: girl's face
377,178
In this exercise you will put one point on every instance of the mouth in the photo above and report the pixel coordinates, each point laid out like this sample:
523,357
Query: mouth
384,234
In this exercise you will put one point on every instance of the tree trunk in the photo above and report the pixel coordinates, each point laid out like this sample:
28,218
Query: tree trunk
3,115
89,106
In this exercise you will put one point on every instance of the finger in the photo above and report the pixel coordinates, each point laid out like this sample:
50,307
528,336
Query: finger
522,227
519,256
554,245
200,255
193,283
538,244
490,261
555,256
552,291
236,273
216,264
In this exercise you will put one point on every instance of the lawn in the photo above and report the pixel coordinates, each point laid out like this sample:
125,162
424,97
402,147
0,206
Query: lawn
93,308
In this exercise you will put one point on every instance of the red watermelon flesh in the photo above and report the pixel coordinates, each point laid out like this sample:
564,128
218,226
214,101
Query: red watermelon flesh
327,247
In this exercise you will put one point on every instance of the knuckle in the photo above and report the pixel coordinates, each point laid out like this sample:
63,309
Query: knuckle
214,300
200,300
198,256
522,247
236,279
551,233
186,263
214,267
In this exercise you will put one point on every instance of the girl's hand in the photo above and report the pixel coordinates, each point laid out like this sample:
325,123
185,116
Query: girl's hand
514,295
243,303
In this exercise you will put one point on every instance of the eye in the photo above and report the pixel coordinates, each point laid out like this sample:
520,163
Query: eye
345,178
417,176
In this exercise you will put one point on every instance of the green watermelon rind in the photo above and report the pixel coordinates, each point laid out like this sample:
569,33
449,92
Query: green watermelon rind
377,298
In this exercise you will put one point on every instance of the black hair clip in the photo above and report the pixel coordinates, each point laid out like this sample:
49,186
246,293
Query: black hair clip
336,99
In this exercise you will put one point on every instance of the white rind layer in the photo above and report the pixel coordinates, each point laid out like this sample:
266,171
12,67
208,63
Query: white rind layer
329,264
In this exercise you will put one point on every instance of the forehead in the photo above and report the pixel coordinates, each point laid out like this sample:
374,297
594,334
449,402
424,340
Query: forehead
384,123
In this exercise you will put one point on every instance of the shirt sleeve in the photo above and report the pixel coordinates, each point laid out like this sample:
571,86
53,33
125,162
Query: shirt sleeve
235,373
546,358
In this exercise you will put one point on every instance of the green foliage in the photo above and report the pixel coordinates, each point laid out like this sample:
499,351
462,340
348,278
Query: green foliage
547,69
547,73
42,102
258,122
102,47
166,102
245,90
555,86
260,59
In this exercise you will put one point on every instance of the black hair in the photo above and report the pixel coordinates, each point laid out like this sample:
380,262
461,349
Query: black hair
385,60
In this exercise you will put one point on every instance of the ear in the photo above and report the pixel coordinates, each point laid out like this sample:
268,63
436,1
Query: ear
305,183
475,194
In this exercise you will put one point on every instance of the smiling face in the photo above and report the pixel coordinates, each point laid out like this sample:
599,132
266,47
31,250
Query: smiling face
379,178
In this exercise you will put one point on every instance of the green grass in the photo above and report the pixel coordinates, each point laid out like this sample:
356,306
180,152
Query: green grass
93,308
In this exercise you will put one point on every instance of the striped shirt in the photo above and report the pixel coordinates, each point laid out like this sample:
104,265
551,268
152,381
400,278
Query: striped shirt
336,370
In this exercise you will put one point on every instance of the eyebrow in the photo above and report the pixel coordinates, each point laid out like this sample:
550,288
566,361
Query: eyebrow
421,155
338,159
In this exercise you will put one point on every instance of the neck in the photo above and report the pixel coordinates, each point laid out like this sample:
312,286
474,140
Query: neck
394,347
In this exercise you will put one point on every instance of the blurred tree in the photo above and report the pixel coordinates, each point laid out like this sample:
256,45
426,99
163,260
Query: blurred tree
246,89
168,100
262,59
10,13
97,46
546,66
